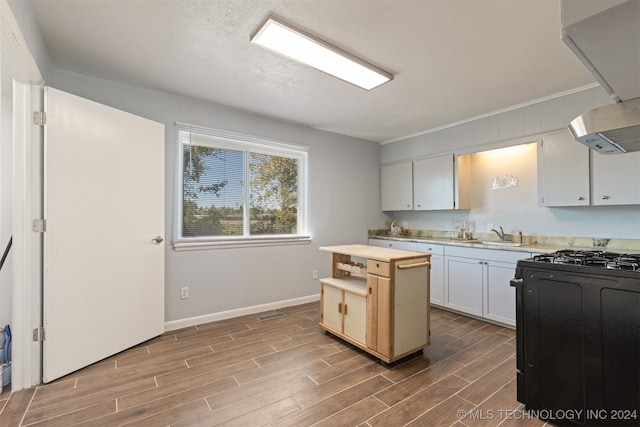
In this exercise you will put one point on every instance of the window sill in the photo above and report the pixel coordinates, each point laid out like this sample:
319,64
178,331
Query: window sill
180,245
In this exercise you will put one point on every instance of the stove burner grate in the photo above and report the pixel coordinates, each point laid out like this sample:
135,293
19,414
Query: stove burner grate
595,259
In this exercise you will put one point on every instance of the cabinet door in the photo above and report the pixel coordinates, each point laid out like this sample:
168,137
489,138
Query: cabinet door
372,311
331,307
463,286
355,317
499,296
397,187
615,179
563,171
379,314
433,184
436,280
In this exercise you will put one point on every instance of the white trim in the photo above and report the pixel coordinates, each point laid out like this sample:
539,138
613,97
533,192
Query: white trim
229,314
195,244
493,113
15,45
243,138
27,205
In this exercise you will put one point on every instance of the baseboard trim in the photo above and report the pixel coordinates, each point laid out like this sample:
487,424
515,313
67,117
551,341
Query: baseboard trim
229,314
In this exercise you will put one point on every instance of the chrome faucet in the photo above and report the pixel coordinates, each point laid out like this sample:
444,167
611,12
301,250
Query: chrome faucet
500,233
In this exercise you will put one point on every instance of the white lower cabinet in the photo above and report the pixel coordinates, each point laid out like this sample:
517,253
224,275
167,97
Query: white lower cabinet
463,285
477,282
437,271
499,300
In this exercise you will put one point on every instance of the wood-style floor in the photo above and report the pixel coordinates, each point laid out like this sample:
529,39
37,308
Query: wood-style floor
285,372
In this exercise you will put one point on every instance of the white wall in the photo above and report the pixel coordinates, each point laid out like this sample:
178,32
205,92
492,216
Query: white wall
520,210
343,193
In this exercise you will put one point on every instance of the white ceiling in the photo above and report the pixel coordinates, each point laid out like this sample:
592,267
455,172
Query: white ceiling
452,59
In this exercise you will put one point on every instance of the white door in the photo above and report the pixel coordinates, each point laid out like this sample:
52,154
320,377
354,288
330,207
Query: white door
104,206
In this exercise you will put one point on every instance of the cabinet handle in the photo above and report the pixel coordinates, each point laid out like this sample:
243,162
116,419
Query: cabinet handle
339,307
345,310
605,197
408,206
580,198
416,265
419,206
370,290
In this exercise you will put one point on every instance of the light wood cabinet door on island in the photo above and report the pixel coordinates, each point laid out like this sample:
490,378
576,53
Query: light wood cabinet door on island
345,312
378,320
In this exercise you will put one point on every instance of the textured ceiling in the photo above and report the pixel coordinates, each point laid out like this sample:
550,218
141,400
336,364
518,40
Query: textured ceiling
452,59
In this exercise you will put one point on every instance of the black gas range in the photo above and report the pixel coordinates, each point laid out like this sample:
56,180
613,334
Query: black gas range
578,337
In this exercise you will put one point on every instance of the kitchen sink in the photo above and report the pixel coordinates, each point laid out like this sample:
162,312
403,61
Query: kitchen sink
500,243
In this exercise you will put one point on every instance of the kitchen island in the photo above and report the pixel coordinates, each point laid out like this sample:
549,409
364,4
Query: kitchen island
377,299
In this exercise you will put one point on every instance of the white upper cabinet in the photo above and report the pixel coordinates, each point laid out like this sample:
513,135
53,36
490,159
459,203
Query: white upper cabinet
563,171
569,175
615,179
441,183
435,183
397,187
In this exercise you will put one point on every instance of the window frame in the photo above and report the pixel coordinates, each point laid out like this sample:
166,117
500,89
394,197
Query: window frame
245,143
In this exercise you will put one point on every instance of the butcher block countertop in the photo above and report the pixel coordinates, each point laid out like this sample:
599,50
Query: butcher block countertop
374,252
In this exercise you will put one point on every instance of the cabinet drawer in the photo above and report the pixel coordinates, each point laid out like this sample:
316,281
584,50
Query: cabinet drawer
430,248
379,268
394,244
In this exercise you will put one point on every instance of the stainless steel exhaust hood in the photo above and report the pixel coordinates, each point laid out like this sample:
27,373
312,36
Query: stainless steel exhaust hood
605,36
611,129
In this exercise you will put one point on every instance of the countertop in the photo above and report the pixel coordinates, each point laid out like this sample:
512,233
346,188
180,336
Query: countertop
525,247
374,252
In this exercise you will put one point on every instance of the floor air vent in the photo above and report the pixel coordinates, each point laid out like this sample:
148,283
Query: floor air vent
271,316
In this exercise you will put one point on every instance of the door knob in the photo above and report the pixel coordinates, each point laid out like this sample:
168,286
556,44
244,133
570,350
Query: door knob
158,240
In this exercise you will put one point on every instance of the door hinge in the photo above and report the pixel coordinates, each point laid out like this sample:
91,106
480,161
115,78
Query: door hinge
38,334
39,118
39,225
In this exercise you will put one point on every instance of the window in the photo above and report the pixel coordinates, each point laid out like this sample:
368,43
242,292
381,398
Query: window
237,190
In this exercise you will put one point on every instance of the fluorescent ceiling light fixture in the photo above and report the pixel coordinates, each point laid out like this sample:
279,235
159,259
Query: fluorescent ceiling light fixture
300,46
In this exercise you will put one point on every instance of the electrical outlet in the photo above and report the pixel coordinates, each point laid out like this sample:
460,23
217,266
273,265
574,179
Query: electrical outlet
314,274
184,292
